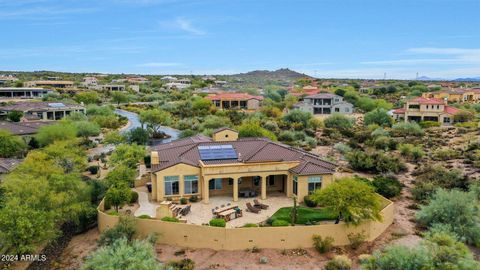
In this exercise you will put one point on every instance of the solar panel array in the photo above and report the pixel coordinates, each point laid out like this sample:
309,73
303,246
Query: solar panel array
56,105
216,152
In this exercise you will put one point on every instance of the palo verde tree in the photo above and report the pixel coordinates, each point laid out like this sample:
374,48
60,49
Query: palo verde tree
11,146
351,200
154,119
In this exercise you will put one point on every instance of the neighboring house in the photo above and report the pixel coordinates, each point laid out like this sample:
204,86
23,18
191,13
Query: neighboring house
176,85
236,101
7,79
42,110
456,95
110,87
426,109
49,83
8,164
137,80
229,166
324,103
23,92
169,79
23,128
89,81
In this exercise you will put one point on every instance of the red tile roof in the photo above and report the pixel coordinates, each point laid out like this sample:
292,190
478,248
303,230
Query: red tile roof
451,110
234,96
422,100
249,150
399,111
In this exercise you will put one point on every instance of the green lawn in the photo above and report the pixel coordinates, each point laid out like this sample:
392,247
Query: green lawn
304,214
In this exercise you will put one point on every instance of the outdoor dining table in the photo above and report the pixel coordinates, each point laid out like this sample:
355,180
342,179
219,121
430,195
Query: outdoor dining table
227,215
225,208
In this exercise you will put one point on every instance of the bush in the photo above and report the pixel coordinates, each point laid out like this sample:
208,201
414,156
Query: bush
133,197
411,152
250,225
374,161
322,245
387,186
339,121
280,223
93,169
170,219
429,124
342,148
183,200
217,222
193,199
429,178
184,264
356,239
379,117
144,217
309,201
125,228
405,129
445,154
339,262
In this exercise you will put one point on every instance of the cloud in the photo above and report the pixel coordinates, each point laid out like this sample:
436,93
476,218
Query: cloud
184,25
159,64
40,12
444,51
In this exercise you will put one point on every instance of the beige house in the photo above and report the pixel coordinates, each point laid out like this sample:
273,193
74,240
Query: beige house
236,101
44,111
54,84
456,95
426,109
226,165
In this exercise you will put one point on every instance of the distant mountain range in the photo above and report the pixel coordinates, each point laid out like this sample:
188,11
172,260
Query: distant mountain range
282,74
472,79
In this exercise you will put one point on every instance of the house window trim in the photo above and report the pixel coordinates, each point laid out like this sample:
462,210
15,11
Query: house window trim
190,182
171,182
316,181
215,186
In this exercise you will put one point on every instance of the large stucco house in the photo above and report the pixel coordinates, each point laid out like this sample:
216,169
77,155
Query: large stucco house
426,109
43,111
236,101
324,103
226,165
462,95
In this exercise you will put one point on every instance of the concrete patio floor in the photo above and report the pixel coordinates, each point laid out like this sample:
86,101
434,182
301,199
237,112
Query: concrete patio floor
202,213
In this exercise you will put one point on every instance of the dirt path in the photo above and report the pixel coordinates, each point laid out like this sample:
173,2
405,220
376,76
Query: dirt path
77,250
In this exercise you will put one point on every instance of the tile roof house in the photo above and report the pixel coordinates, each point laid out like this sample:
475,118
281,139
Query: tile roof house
324,103
460,95
426,109
225,165
43,110
23,128
8,164
236,101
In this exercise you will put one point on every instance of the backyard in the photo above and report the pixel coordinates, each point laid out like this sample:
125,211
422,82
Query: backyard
304,215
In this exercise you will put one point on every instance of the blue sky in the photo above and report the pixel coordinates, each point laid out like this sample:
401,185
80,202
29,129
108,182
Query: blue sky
324,38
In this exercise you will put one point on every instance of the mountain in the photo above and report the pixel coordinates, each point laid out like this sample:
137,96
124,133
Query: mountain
473,79
425,78
280,74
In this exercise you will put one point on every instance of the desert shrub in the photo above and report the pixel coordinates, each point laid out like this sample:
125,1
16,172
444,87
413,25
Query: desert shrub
125,228
280,223
379,117
183,264
250,225
93,169
456,211
387,186
374,161
463,116
429,124
286,136
170,219
144,217
339,262
356,239
322,245
133,197
378,131
193,199
405,129
217,222
398,258
445,154
430,178
342,148
411,152
385,143
467,125
309,201
183,200
339,121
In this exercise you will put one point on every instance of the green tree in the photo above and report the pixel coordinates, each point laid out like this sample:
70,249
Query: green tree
86,129
201,106
289,101
89,97
119,97
11,146
253,129
48,134
113,137
154,119
125,228
138,135
339,121
14,116
456,210
120,175
118,196
298,117
379,117
126,154
124,255
351,200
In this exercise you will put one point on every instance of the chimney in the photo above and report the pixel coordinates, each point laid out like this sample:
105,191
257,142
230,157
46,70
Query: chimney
154,158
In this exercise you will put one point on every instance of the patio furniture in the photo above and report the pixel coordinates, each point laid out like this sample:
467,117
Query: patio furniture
258,204
225,208
238,212
252,209
149,187
228,214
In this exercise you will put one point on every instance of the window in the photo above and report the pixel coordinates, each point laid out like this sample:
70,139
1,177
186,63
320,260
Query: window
191,184
243,104
446,120
271,180
314,183
295,185
215,184
171,185
256,180
337,109
414,106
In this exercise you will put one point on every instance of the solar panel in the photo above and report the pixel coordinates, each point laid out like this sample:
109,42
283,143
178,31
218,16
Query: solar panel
215,152
56,105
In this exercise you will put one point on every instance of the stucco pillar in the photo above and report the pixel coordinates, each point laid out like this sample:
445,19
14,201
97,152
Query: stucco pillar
289,189
235,189
154,187
264,187
181,186
205,191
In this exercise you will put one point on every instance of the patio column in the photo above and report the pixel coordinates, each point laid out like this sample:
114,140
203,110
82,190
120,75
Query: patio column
235,189
154,186
289,188
205,190
264,187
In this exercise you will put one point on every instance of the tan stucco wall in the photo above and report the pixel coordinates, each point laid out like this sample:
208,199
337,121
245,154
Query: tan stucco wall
179,170
225,135
327,179
253,104
196,236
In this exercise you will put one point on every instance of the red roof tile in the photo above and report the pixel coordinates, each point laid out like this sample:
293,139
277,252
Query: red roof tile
451,110
422,100
399,110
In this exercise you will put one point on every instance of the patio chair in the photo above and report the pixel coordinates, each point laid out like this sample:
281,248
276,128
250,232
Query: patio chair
228,204
223,205
252,209
258,204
